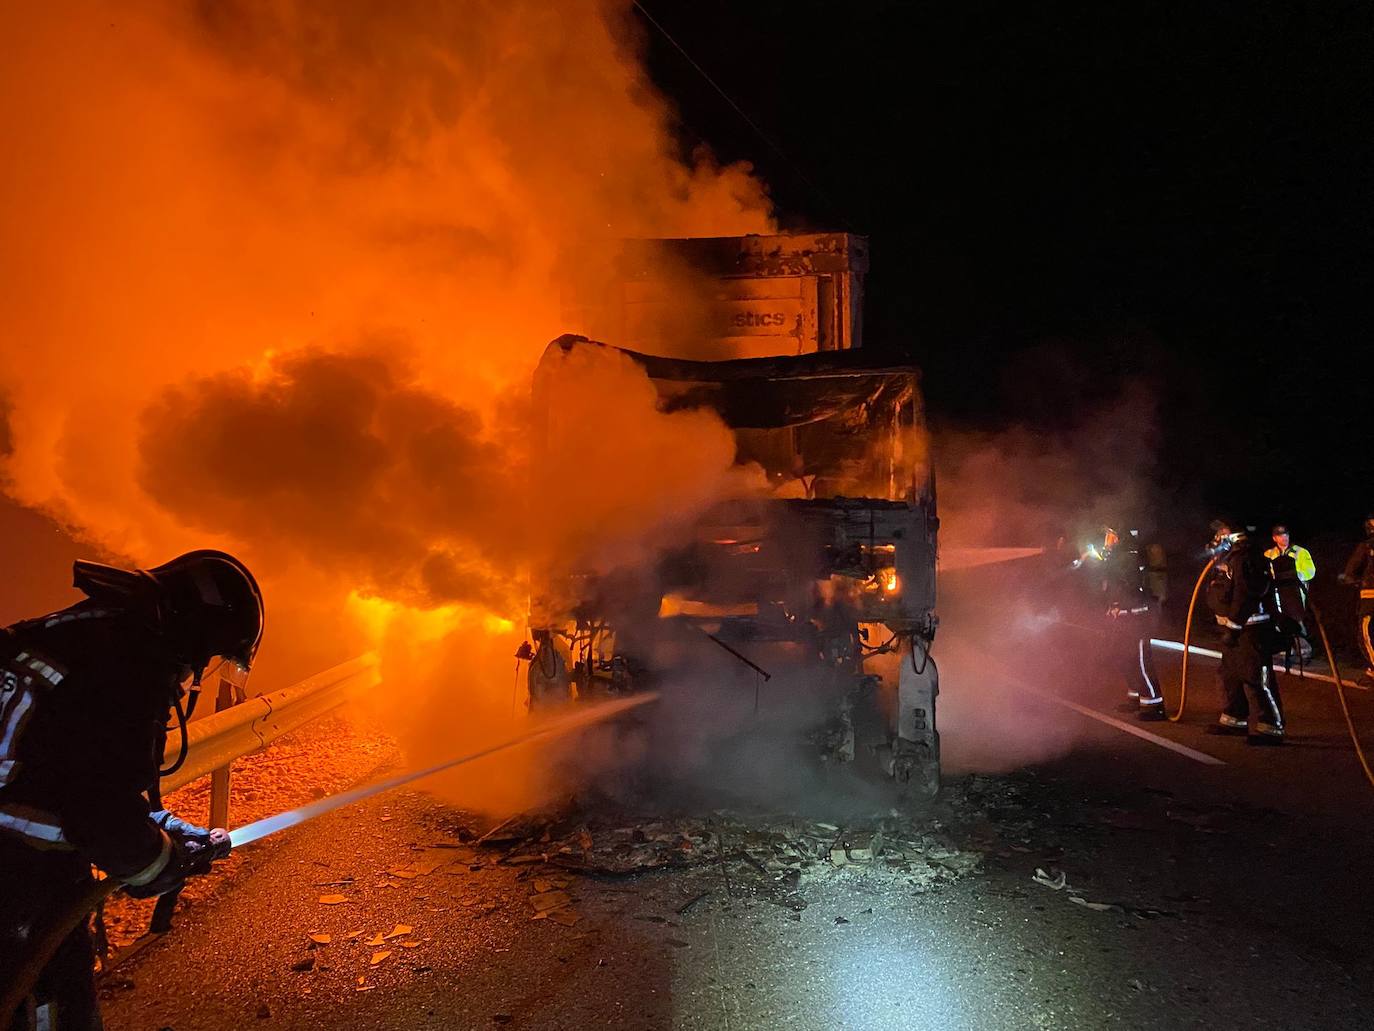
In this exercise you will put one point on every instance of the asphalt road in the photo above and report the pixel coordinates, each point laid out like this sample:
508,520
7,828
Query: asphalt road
1226,896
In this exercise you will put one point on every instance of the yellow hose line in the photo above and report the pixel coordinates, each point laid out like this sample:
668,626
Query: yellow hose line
1187,635
1340,694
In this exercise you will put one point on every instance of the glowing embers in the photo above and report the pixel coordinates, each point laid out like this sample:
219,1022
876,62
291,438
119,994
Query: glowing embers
883,584
880,558
734,547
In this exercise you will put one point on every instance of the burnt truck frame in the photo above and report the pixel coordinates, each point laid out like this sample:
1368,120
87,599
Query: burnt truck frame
838,549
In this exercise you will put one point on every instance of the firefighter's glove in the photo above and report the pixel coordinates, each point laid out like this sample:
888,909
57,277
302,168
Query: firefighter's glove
193,850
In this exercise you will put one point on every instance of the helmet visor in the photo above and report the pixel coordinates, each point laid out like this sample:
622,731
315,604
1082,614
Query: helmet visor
231,671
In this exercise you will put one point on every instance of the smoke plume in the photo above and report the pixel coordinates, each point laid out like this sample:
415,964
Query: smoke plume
274,278
1018,623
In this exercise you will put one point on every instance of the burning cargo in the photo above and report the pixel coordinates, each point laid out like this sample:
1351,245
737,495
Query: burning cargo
825,560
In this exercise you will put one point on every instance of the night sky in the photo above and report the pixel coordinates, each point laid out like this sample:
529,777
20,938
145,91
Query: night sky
1064,197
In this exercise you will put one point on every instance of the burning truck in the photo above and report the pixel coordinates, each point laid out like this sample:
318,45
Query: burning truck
825,564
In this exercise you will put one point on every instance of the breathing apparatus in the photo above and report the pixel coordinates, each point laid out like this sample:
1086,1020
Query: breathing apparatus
199,606
1225,540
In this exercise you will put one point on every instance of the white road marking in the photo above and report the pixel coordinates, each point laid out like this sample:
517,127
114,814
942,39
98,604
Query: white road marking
1130,728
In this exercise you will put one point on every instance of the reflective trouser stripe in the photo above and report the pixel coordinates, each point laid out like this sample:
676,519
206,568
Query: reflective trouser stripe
43,1018
1155,697
1366,640
1270,700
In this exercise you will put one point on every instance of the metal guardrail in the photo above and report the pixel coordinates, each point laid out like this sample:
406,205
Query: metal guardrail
215,741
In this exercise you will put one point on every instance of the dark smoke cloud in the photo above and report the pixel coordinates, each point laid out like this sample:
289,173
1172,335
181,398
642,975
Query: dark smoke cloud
346,460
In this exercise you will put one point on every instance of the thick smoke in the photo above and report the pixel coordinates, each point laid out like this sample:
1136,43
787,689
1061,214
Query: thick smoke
274,277
345,461
1008,625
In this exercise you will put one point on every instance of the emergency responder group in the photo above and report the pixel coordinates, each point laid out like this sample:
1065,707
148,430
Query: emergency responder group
1259,599
85,699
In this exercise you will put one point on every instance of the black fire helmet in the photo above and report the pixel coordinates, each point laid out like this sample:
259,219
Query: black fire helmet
202,604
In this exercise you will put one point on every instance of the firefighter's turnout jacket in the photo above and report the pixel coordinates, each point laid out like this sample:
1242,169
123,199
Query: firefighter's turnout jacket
83,707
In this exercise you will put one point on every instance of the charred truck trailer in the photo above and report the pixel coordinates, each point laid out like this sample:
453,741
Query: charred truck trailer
827,564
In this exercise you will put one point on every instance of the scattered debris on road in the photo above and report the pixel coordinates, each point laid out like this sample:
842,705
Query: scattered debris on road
1058,881
760,855
322,758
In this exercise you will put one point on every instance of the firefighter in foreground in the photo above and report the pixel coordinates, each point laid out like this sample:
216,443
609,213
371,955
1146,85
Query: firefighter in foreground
1239,594
84,705
1359,570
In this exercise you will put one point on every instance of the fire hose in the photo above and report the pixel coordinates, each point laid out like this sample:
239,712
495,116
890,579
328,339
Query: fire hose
49,937
1187,636
1330,657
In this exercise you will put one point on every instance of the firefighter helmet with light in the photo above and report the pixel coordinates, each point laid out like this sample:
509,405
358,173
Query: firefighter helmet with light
1227,536
201,605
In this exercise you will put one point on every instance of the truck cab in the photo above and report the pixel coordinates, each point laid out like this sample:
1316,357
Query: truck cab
828,561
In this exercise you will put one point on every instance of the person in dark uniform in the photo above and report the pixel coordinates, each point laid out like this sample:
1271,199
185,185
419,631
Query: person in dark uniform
1133,615
1122,586
1237,593
1359,570
85,695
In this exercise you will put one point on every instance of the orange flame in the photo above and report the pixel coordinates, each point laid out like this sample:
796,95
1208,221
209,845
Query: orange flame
273,278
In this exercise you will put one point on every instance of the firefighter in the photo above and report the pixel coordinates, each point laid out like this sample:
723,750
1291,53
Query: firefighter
1238,594
1359,570
1133,613
1291,569
84,707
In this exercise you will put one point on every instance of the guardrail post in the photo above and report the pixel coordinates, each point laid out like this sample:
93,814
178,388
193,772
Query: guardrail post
219,779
